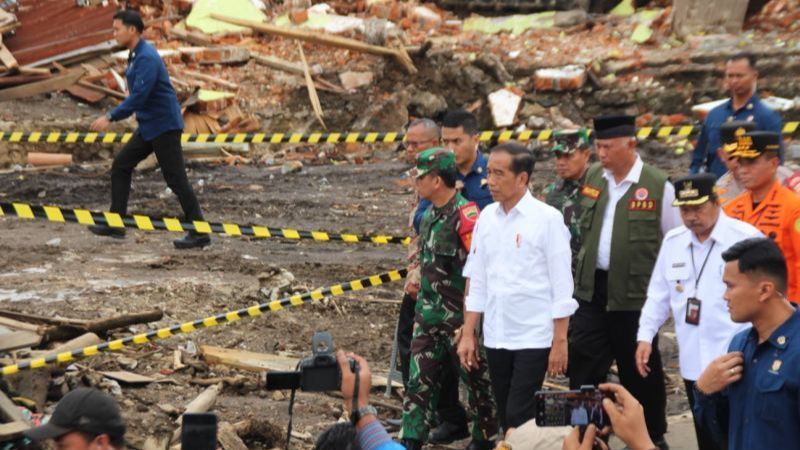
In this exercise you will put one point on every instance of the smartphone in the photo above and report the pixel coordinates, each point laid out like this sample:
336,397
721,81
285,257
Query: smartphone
199,432
576,408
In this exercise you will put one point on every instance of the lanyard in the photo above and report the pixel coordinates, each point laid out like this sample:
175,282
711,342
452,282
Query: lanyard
703,267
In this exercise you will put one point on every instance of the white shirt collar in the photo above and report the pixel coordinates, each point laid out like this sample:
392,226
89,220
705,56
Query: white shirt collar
718,234
633,175
525,206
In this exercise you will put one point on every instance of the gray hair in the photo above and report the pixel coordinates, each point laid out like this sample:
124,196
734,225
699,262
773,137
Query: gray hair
428,124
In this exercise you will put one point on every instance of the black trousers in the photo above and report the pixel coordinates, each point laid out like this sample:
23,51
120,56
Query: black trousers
704,439
597,337
167,148
449,409
516,376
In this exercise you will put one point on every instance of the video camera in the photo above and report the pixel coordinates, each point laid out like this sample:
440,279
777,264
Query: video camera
318,373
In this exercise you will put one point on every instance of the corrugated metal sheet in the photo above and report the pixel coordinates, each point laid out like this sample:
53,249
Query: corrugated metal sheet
54,27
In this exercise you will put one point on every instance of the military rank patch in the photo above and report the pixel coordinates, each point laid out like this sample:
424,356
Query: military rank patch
587,190
641,205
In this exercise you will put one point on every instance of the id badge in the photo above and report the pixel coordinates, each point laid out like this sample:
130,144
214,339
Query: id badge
693,311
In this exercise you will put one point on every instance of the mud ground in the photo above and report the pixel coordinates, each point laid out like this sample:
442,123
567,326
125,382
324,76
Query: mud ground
62,270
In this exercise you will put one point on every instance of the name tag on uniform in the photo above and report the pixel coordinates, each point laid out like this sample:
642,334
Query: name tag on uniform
641,205
693,311
587,190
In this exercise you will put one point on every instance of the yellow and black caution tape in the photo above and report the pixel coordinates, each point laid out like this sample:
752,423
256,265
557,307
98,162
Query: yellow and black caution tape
219,319
145,223
71,137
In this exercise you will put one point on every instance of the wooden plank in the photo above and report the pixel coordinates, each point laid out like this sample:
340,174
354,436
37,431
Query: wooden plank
6,57
102,89
17,325
9,411
228,438
19,339
128,377
85,94
56,83
263,362
12,429
318,37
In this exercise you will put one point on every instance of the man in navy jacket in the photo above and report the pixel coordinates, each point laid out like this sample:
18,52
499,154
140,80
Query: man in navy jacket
152,98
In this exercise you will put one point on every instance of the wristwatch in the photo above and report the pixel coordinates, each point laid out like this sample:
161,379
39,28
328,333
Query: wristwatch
367,410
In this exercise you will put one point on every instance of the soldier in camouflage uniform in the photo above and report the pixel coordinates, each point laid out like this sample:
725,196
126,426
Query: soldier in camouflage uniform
572,150
445,234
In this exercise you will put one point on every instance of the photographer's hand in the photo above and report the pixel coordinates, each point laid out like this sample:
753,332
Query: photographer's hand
627,422
349,381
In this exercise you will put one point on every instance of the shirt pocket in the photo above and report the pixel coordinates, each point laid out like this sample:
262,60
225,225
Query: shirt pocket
675,274
772,402
445,245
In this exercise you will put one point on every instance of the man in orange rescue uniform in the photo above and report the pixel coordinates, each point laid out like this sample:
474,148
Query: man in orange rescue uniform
768,206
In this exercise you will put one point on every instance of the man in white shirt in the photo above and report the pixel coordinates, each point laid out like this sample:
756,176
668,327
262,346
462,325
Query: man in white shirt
520,280
626,210
687,281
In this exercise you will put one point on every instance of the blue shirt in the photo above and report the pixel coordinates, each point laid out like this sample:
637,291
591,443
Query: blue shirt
762,410
704,155
475,189
151,97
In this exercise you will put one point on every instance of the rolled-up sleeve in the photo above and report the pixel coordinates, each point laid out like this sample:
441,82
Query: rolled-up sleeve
656,308
559,268
475,270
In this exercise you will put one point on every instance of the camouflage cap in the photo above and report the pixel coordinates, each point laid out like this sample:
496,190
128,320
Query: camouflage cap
435,159
569,141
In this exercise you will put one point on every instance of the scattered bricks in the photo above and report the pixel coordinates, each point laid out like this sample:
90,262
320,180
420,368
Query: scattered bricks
353,80
425,18
215,55
299,16
673,120
567,78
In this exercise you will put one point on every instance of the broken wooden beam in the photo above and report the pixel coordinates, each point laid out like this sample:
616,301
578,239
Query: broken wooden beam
55,83
103,89
210,79
191,37
317,37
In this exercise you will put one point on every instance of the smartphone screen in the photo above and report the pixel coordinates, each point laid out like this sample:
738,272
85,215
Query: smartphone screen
570,408
199,432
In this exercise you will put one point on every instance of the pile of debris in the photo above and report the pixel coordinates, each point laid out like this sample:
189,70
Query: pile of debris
259,65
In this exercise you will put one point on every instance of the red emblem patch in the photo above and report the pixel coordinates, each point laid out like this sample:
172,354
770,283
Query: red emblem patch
641,194
590,191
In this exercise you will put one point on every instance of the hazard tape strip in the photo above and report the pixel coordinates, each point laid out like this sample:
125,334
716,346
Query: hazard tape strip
72,137
144,223
208,322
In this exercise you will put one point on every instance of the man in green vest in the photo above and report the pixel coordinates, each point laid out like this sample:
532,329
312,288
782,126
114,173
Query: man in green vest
626,210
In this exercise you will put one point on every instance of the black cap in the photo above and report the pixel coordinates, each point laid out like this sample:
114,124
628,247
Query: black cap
569,141
729,133
84,409
694,189
608,127
755,143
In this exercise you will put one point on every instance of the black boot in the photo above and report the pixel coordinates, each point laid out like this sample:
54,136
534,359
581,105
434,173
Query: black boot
192,240
448,432
480,445
412,444
105,230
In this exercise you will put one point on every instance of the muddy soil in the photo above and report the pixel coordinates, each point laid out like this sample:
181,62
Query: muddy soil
62,270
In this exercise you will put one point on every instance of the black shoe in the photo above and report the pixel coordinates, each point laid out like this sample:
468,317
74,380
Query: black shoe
412,444
480,445
192,240
448,432
105,230
661,443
